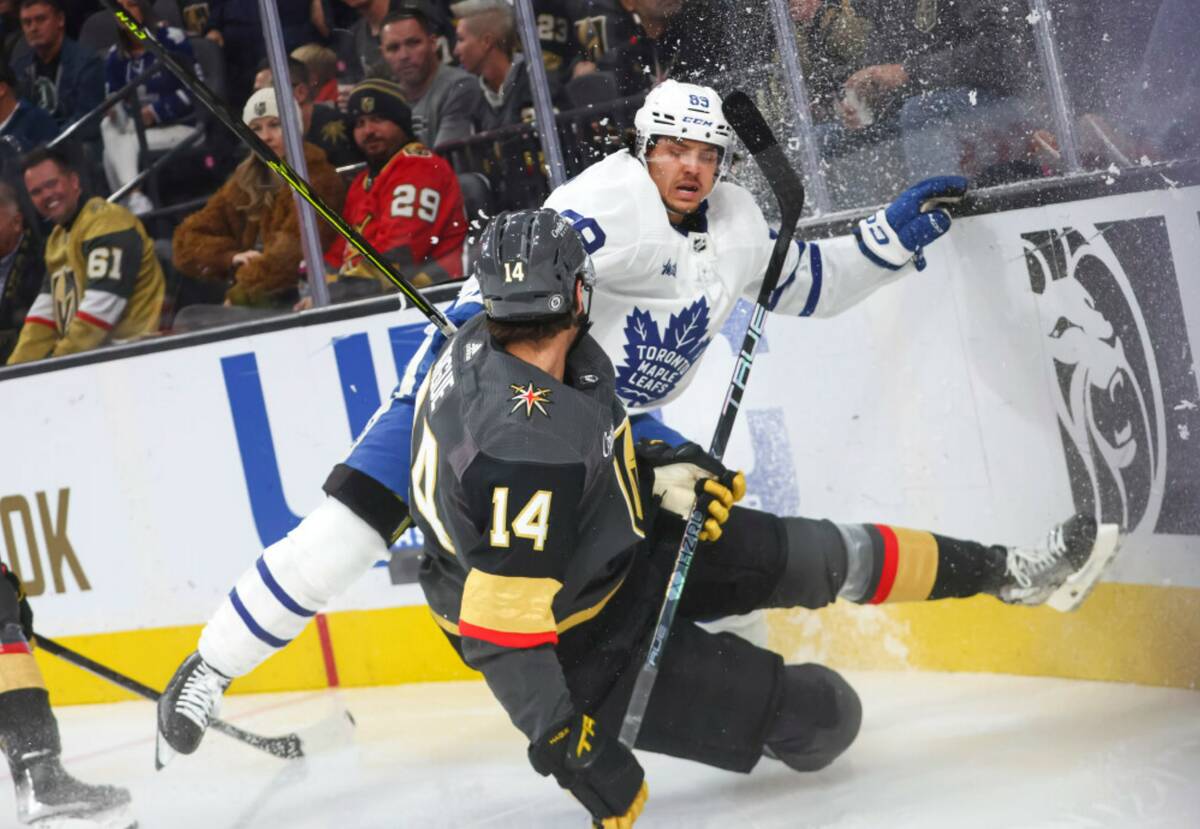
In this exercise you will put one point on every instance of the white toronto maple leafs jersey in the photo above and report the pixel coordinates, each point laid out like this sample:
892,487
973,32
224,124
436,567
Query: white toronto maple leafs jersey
662,295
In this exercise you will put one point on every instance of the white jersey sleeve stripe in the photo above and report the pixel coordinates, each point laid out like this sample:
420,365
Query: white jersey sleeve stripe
103,306
42,308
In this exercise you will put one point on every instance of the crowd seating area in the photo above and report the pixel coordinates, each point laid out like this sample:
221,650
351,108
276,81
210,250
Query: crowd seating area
887,91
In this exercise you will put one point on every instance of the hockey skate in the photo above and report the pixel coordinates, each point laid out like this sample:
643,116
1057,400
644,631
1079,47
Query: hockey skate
1063,571
191,700
47,796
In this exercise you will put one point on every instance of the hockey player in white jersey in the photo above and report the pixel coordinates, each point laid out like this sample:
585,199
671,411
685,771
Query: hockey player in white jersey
674,248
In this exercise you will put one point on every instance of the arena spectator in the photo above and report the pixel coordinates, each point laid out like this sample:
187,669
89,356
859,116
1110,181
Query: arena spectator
940,71
654,39
322,65
103,280
443,98
248,234
235,25
407,203
57,74
326,127
21,269
10,28
195,16
486,39
556,35
1133,80
595,25
21,123
161,103
832,40
365,59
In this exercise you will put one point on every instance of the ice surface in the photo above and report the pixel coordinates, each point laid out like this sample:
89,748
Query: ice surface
936,750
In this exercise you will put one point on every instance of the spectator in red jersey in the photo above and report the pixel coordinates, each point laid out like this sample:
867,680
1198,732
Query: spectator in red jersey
407,202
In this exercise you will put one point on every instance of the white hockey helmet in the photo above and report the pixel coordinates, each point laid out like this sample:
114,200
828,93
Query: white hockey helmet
683,110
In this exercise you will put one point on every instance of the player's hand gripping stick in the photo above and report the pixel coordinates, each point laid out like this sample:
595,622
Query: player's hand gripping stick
687,478
750,126
601,773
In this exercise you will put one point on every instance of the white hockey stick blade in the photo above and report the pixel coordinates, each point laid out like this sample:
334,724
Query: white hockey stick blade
1080,583
330,734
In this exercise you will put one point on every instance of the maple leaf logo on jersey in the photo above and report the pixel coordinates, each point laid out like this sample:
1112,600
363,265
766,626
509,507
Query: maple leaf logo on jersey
656,361
531,398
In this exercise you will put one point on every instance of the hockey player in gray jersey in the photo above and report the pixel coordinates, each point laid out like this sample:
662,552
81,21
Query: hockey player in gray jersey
626,209
550,537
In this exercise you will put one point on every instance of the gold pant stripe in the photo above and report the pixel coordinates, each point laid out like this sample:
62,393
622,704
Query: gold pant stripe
509,604
916,566
581,616
19,670
576,618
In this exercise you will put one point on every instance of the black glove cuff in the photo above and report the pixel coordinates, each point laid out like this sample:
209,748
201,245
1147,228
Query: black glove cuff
601,773
548,753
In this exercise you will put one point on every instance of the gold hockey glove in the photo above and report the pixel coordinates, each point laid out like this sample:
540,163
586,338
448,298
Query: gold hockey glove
687,477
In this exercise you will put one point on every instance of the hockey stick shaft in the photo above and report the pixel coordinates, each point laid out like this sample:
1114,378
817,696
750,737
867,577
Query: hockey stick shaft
288,746
218,108
748,123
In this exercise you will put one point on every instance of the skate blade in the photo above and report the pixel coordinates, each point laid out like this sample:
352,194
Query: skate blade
120,817
1080,583
163,753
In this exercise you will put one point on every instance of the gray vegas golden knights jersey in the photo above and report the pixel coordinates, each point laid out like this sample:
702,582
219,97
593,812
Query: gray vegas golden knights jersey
526,490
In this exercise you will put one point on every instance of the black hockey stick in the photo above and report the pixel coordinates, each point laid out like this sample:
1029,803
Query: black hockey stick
287,747
748,123
218,108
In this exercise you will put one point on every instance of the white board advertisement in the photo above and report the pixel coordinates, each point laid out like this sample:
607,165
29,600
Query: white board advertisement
1042,363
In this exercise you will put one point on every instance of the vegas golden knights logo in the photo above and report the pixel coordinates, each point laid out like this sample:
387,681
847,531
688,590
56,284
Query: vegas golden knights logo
926,15
64,289
195,18
1116,340
334,132
368,104
592,33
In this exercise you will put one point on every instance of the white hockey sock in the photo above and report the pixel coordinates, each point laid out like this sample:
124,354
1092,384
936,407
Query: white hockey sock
293,580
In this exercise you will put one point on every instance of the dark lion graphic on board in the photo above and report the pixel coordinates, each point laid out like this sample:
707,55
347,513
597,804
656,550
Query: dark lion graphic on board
1117,340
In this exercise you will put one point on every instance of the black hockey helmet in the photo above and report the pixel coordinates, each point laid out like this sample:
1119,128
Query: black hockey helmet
529,262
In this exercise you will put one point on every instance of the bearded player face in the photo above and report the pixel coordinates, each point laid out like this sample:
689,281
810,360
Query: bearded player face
684,171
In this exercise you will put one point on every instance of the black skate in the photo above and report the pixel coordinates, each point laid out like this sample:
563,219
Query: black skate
47,796
1061,573
191,700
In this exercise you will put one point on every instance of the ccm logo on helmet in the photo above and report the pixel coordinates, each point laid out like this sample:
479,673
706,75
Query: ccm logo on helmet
701,121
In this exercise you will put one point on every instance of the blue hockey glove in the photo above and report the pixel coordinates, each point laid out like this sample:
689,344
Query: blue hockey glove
901,231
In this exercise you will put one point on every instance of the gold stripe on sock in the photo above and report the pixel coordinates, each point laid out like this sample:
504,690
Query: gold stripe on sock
19,670
916,568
